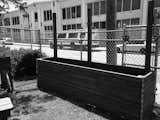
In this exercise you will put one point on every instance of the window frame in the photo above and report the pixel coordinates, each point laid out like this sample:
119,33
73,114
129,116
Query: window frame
102,8
127,7
134,4
36,16
96,10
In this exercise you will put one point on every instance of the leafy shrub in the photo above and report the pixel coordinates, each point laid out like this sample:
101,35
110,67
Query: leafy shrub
24,62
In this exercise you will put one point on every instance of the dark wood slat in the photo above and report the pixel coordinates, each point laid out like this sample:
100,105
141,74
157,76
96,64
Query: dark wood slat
117,93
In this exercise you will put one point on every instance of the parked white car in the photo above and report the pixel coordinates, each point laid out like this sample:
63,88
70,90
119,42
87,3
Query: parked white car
6,41
141,48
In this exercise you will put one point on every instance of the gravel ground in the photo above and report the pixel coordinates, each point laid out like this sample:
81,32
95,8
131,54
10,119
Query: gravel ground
32,104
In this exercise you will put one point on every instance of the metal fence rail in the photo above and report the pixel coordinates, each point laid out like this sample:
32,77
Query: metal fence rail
18,35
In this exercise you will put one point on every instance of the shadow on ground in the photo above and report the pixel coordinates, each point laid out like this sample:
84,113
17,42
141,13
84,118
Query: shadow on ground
23,104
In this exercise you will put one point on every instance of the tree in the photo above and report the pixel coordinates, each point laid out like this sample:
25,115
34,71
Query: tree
4,4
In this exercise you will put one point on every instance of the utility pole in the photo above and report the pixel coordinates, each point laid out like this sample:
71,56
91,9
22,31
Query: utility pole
111,57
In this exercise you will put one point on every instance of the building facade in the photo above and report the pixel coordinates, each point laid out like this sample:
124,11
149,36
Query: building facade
72,15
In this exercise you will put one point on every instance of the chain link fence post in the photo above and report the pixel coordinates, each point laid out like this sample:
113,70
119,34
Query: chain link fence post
39,39
81,48
124,41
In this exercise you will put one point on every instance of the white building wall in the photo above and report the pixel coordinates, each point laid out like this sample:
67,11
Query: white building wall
40,7
65,4
139,13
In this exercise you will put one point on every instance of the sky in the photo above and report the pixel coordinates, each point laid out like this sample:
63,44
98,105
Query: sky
12,7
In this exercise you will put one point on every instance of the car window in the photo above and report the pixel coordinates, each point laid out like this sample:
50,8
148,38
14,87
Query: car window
62,35
82,35
73,35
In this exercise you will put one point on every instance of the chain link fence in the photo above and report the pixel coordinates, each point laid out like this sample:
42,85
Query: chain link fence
123,47
22,38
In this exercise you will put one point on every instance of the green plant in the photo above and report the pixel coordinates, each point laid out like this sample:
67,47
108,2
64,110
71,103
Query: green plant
24,62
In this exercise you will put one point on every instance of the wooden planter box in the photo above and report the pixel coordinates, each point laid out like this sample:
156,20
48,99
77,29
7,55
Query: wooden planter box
5,63
122,91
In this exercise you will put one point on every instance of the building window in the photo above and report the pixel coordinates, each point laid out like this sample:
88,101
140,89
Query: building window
119,5
47,15
36,17
48,28
126,22
156,3
96,25
64,13
135,21
68,27
53,4
103,7
99,7
7,21
64,27
68,13
119,24
136,4
16,30
79,26
78,11
126,5
73,9
73,26
102,25
73,12
1,23
15,21
99,25
96,8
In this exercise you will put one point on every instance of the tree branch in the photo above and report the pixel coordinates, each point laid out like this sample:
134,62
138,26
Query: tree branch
4,4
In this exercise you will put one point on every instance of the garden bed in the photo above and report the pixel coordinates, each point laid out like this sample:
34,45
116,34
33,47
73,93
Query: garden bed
123,91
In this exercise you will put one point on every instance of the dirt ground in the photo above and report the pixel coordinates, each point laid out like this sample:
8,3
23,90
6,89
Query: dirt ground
32,104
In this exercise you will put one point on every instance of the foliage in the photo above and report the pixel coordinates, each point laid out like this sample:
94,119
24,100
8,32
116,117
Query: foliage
4,4
24,62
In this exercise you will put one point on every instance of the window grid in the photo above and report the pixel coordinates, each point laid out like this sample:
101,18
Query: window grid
47,15
132,21
15,20
132,5
71,12
98,8
48,28
36,17
7,21
99,25
72,26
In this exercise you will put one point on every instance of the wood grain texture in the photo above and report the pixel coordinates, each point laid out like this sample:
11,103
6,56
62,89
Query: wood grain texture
117,93
5,63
